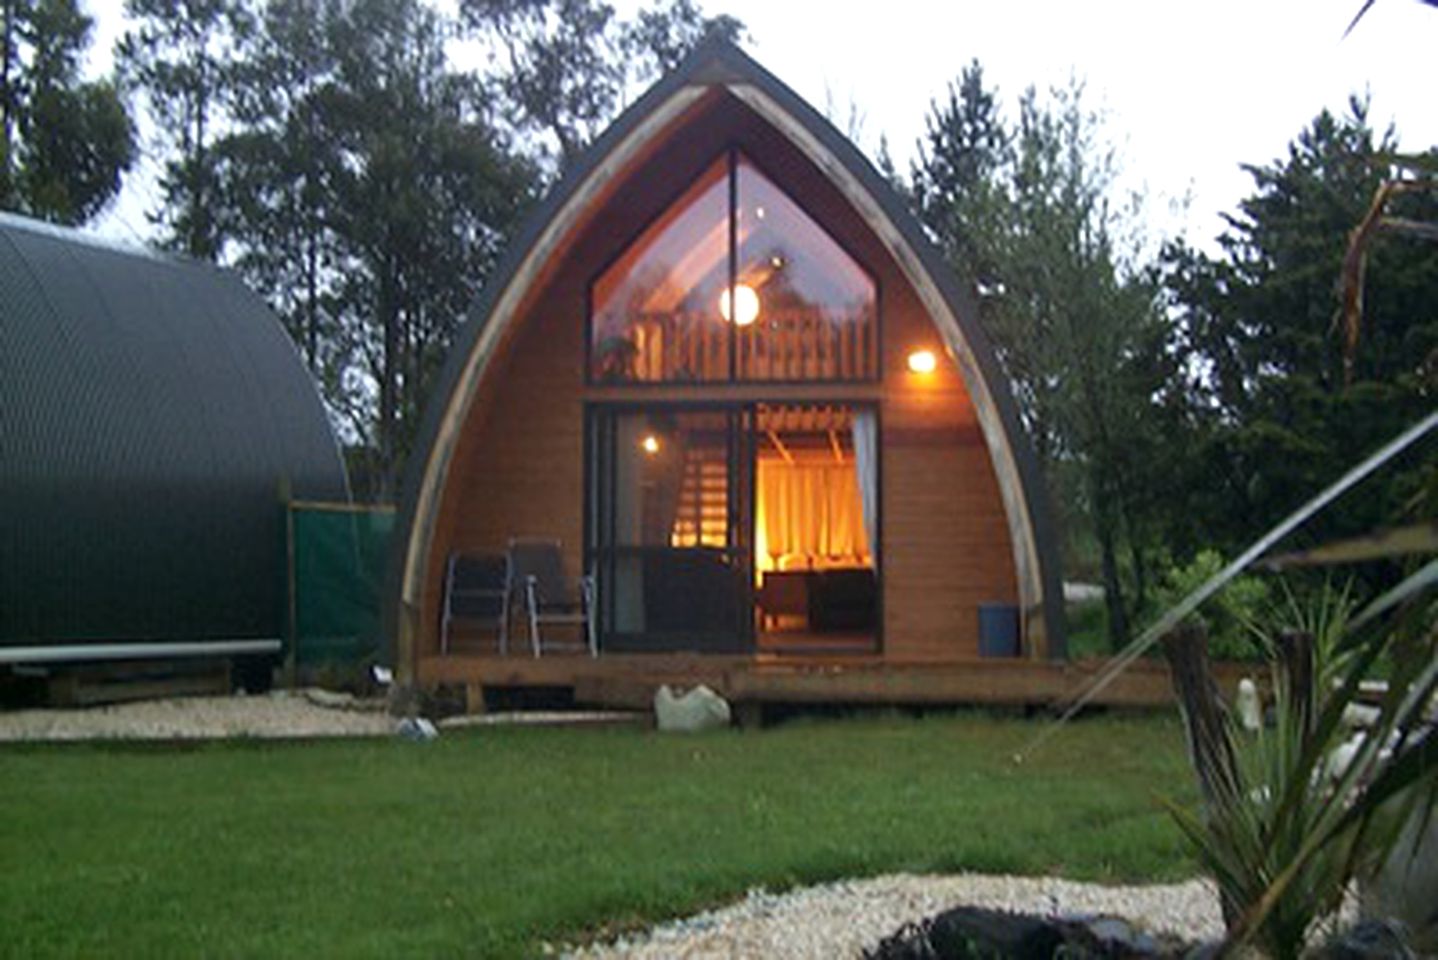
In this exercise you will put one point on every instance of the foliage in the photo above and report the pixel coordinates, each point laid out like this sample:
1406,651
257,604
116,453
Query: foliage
1230,618
411,195
334,155
567,65
64,141
1273,414
491,842
1028,215
330,152
1288,826
178,59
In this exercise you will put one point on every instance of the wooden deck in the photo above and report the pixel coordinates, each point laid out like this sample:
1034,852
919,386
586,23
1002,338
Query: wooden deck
629,681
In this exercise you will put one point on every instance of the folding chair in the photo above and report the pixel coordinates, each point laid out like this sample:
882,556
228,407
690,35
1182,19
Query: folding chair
476,590
550,597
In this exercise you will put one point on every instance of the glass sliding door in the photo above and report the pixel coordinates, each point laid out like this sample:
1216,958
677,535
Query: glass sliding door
817,528
669,521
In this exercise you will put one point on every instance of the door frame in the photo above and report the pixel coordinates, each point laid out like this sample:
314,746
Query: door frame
747,451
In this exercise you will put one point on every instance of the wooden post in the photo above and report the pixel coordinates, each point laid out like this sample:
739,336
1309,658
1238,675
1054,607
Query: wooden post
291,603
1295,659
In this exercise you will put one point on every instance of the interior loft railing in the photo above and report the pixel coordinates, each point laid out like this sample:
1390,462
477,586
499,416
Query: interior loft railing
781,346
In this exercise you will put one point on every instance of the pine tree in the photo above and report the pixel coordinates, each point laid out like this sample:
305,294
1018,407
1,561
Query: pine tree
64,141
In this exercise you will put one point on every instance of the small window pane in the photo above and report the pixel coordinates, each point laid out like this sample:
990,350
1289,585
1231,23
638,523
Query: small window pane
810,308
655,311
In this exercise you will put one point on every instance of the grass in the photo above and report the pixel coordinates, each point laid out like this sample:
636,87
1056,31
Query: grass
491,842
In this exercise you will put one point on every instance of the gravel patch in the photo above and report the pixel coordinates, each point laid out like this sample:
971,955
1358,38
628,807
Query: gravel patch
280,714
304,713
844,919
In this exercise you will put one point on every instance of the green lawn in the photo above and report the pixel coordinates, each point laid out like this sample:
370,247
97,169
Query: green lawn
490,842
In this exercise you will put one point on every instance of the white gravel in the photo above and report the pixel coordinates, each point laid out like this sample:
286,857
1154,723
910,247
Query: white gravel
843,919
283,713
304,713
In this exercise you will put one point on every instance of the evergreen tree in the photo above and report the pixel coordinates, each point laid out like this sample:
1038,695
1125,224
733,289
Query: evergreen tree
424,203
278,167
567,65
179,59
1280,421
1026,215
64,141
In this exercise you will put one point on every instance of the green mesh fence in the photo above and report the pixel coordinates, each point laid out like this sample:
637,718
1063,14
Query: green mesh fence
337,569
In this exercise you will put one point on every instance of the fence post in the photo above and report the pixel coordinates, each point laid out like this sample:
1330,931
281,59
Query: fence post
291,578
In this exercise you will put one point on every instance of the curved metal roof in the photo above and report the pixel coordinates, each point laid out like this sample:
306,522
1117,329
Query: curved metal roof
149,409
720,64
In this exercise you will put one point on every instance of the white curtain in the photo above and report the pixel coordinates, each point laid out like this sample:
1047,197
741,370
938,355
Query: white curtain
808,513
866,468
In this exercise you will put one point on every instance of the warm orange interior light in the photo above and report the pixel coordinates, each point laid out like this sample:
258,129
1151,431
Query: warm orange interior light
923,361
746,305
650,444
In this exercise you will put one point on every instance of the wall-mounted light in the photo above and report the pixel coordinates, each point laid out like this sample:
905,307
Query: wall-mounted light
923,361
746,305
650,444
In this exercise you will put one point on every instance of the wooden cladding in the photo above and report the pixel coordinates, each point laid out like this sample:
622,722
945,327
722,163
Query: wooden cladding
789,346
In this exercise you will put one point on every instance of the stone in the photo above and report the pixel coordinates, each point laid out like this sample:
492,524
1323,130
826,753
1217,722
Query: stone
970,933
1405,887
1250,714
697,709
1367,940
416,728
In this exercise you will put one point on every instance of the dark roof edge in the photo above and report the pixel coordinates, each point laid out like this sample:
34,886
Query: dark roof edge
719,62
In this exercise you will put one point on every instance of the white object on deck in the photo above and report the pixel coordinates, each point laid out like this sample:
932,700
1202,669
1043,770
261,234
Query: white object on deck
698,709
1250,714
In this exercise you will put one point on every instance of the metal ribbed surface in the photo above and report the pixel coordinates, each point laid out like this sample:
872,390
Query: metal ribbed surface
149,408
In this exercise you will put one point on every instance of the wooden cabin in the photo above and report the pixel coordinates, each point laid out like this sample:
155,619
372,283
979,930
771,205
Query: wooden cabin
726,371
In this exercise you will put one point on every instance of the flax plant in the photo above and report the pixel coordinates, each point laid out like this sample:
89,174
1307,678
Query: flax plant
1293,814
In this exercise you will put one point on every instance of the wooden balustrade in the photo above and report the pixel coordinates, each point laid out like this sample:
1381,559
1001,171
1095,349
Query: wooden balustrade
792,345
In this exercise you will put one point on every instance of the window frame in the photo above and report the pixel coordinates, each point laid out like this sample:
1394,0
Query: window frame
731,153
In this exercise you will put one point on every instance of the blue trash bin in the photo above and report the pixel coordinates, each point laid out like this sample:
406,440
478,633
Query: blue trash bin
998,630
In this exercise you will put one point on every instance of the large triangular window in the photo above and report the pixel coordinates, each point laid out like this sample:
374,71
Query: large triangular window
733,282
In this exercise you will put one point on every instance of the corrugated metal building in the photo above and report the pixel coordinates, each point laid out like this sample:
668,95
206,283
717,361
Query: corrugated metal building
150,411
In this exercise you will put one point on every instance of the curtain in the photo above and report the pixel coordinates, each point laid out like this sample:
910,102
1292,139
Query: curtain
809,514
866,469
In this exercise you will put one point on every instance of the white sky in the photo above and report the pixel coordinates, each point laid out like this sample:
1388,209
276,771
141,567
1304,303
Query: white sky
1190,90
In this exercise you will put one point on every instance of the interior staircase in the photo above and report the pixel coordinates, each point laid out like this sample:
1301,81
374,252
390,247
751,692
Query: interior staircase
703,514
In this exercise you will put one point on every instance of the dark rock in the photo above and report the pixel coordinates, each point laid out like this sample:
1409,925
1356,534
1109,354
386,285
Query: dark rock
972,933
1368,940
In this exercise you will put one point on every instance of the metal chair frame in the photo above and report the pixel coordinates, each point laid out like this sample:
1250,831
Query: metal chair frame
457,593
568,603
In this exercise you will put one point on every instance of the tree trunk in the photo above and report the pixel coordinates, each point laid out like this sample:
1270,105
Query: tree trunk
312,323
387,309
1106,529
7,101
1112,588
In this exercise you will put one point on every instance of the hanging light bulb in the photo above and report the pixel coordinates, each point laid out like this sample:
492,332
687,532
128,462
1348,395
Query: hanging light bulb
746,305
650,444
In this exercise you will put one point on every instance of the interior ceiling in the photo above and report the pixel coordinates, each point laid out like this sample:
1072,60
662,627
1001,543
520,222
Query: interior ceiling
816,419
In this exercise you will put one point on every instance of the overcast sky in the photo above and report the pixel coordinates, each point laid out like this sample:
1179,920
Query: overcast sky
1190,90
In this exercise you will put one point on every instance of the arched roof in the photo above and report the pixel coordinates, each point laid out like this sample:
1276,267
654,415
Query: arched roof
149,410
719,64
